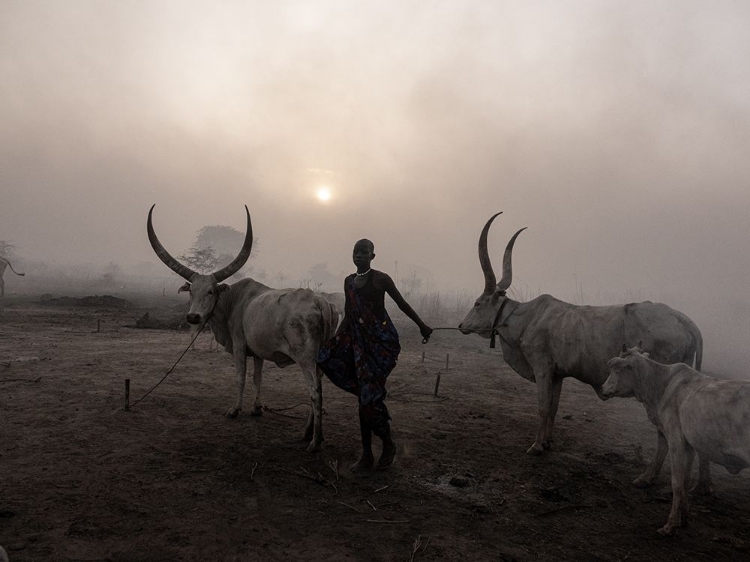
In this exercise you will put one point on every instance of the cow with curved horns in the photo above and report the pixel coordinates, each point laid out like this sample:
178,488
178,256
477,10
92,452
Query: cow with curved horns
546,340
249,319
4,262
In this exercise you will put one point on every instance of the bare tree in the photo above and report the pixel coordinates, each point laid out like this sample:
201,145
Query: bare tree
215,247
110,274
309,283
411,284
7,249
202,260
321,278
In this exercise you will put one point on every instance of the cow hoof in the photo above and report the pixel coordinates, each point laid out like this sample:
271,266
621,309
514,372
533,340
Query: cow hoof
233,412
535,450
641,482
256,411
313,447
667,531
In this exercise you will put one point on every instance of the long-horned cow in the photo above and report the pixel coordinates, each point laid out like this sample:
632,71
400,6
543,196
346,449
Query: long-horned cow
249,319
546,340
4,262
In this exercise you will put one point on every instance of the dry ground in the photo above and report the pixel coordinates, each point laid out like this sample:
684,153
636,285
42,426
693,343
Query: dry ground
173,479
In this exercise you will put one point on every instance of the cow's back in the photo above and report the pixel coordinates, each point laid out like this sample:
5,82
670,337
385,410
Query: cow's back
714,416
580,340
292,321
662,330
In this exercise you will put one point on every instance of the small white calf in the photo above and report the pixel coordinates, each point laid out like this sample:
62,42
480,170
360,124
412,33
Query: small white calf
695,412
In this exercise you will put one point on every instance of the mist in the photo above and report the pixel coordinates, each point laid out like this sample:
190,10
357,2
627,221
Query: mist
617,132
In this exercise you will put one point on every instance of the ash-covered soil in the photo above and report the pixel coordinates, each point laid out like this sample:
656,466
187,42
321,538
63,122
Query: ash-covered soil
173,479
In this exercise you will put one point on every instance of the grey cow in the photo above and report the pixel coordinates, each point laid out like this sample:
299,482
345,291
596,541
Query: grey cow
696,413
249,319
546,340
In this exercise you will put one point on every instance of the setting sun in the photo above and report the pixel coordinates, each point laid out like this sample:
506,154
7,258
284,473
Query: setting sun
323,194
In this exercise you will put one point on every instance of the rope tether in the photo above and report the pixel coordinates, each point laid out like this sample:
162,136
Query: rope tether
170,369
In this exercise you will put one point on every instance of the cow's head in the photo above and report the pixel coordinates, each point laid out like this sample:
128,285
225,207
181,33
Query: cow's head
623,373
204,289
481,318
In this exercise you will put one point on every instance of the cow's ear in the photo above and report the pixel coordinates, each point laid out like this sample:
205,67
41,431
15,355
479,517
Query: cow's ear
185,287
616,363
223,287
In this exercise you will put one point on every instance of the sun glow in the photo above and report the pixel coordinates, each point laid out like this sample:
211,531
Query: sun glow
323,194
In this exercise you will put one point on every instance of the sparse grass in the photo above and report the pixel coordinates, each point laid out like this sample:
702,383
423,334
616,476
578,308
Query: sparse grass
435,308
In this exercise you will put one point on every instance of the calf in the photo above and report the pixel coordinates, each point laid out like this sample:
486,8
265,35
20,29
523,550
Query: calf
696,413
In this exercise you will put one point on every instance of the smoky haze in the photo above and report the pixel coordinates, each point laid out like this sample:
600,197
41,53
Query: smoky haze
618,132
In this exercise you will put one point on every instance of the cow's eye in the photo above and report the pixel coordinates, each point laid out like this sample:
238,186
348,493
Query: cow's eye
476,303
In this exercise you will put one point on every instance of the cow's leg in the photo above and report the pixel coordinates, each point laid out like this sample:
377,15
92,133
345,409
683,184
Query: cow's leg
689,457
545,392
652,472
310,425
314,384
678,455
555,391
704,486
257,380
240,364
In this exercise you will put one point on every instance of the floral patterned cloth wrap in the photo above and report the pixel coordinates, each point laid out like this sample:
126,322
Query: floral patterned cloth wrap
360,358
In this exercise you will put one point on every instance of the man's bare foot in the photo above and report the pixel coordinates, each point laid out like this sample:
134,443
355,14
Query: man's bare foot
364,463
389,453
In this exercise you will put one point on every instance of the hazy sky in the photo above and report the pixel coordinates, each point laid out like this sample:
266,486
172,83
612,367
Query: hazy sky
618,132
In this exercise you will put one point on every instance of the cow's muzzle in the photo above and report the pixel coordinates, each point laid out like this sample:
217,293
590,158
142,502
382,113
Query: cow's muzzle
194,318
605,392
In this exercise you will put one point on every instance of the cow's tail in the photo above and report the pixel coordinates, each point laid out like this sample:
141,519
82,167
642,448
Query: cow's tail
696,336
329,316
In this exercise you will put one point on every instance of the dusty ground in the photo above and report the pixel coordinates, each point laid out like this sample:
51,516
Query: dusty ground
81,479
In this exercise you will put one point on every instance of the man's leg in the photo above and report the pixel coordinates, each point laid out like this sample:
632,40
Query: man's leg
382,429
367,459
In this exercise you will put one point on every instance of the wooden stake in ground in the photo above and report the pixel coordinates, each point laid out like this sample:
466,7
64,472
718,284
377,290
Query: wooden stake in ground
127,395
437,383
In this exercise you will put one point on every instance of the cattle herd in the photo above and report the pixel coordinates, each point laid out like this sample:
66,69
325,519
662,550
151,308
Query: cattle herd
647,351
544,340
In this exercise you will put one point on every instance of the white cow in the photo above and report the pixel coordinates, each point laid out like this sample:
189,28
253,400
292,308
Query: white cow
249,319
546,340
696,413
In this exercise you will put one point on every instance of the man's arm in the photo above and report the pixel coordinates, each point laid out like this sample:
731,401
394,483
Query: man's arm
393,292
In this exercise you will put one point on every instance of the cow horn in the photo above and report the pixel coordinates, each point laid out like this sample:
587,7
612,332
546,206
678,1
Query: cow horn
171,263
484,257
507,268
239,261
